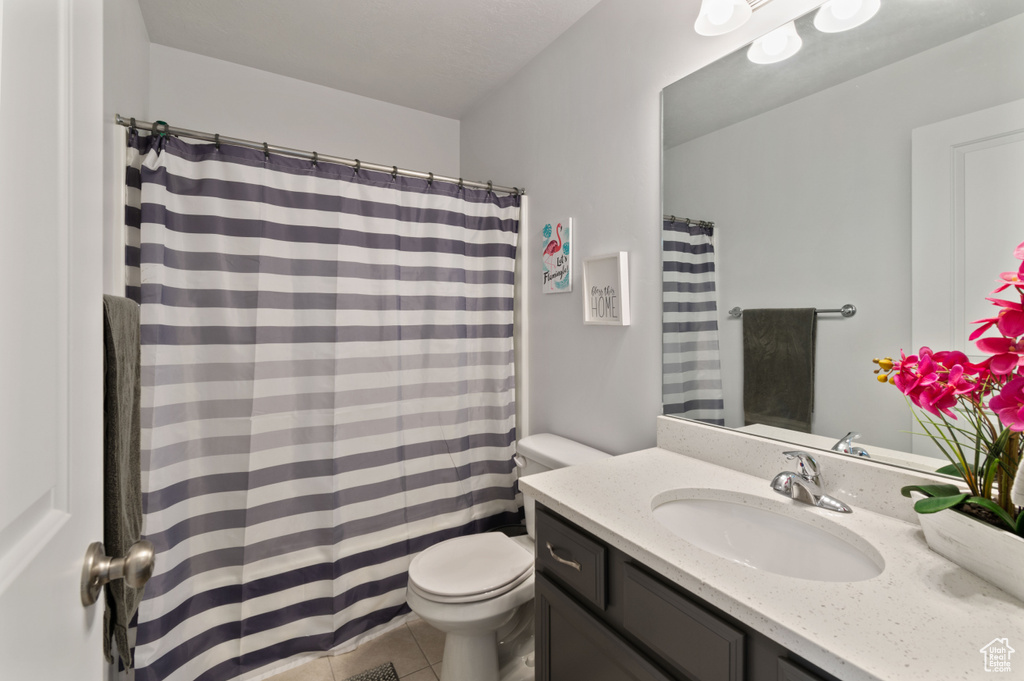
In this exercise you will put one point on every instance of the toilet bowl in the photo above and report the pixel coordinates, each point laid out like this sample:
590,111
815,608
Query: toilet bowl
478,589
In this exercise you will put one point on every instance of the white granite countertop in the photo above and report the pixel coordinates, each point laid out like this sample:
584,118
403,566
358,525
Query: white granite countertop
921,618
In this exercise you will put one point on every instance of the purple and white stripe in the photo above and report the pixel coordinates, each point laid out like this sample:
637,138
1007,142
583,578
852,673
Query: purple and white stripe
328,388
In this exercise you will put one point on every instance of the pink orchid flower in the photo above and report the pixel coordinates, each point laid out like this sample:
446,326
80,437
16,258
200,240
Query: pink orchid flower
958,383
938,399
914,372
1012,279
1009,404
1009,320
1006,354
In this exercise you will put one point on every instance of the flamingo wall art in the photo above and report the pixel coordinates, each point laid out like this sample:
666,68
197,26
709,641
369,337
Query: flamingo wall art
557,259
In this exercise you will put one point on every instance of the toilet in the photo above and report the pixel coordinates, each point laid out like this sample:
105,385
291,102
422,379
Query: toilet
478,589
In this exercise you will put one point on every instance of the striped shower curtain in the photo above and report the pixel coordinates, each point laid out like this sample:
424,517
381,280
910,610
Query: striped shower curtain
327,369
691,368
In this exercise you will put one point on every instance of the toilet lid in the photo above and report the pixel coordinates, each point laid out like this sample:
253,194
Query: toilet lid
471,565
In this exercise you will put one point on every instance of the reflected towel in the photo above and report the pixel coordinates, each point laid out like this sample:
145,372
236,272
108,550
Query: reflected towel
778,367
122,486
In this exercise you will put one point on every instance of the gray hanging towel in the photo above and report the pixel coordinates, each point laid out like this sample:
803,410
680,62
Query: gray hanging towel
122,485
778,367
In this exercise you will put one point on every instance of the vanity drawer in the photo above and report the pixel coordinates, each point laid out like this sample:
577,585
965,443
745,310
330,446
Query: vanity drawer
682,633
574,559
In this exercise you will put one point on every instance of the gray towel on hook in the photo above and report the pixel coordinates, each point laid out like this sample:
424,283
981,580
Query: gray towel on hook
778,367
122,482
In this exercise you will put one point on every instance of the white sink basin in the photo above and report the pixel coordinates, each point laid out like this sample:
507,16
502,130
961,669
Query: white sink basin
765,535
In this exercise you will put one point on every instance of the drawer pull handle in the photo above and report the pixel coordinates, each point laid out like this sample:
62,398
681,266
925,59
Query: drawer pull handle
571,563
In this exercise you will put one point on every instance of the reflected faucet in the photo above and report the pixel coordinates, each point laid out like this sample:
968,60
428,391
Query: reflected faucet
846,446
806,486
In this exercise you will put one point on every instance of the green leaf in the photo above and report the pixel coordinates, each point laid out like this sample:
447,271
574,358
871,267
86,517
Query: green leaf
995,508
936,504
1020,524
938,490
954,469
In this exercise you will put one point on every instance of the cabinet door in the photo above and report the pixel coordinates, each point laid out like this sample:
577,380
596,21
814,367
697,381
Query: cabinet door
790,672
572,644
697,642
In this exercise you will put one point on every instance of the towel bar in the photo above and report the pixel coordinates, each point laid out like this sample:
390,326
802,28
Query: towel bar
846,310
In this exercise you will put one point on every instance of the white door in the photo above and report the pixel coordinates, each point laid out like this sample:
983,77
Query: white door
968,213
51,335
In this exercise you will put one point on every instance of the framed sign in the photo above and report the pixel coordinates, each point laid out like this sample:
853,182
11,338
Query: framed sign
556,260
606,289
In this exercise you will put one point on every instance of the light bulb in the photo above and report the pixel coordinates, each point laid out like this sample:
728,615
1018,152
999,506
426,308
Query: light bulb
780,44
774,43
842,15
844,9
720,11
721,16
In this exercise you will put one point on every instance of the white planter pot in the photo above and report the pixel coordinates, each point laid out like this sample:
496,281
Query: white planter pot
992,554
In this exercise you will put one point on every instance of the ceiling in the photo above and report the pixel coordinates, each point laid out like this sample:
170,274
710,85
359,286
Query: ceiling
438,56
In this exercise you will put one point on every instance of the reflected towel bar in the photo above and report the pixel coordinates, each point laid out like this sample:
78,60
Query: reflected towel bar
846,310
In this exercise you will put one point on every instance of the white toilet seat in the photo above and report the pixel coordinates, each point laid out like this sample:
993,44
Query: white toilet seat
471,598
470,569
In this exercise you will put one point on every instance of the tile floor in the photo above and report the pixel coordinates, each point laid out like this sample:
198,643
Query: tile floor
414,648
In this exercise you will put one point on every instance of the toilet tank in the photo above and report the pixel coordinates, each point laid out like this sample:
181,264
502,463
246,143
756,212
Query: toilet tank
545,452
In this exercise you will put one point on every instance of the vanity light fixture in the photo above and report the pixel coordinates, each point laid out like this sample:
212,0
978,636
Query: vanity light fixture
780,44
842,15
721,16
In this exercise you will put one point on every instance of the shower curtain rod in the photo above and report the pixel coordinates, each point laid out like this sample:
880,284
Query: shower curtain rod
699,223
159,127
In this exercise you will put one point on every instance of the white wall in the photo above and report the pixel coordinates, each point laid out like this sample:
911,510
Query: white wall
125,91
200,93
580,128
812,207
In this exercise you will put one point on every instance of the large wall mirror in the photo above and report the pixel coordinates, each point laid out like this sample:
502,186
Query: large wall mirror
811,171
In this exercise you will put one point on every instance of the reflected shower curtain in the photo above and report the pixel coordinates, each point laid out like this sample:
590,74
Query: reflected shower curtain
691,368
328,379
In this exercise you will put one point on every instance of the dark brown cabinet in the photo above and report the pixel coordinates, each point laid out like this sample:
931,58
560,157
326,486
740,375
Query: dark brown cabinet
572,644
603,616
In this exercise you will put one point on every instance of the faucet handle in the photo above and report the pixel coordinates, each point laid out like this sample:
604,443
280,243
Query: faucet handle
845,443
809,469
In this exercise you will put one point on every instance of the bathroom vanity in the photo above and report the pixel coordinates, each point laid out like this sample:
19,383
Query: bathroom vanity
647,604
602,615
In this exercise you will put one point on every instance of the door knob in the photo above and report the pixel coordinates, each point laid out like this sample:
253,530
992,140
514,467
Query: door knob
135,568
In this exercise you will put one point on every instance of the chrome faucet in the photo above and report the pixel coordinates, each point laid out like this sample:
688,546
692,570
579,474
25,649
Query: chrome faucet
846,446
806,486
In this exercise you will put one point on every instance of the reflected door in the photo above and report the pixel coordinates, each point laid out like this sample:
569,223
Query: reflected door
968,216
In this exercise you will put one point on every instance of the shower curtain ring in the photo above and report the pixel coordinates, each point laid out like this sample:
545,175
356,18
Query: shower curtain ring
394,173
216,140
430,179
132,128
358,166
266,152
460,184
316,159
489,185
